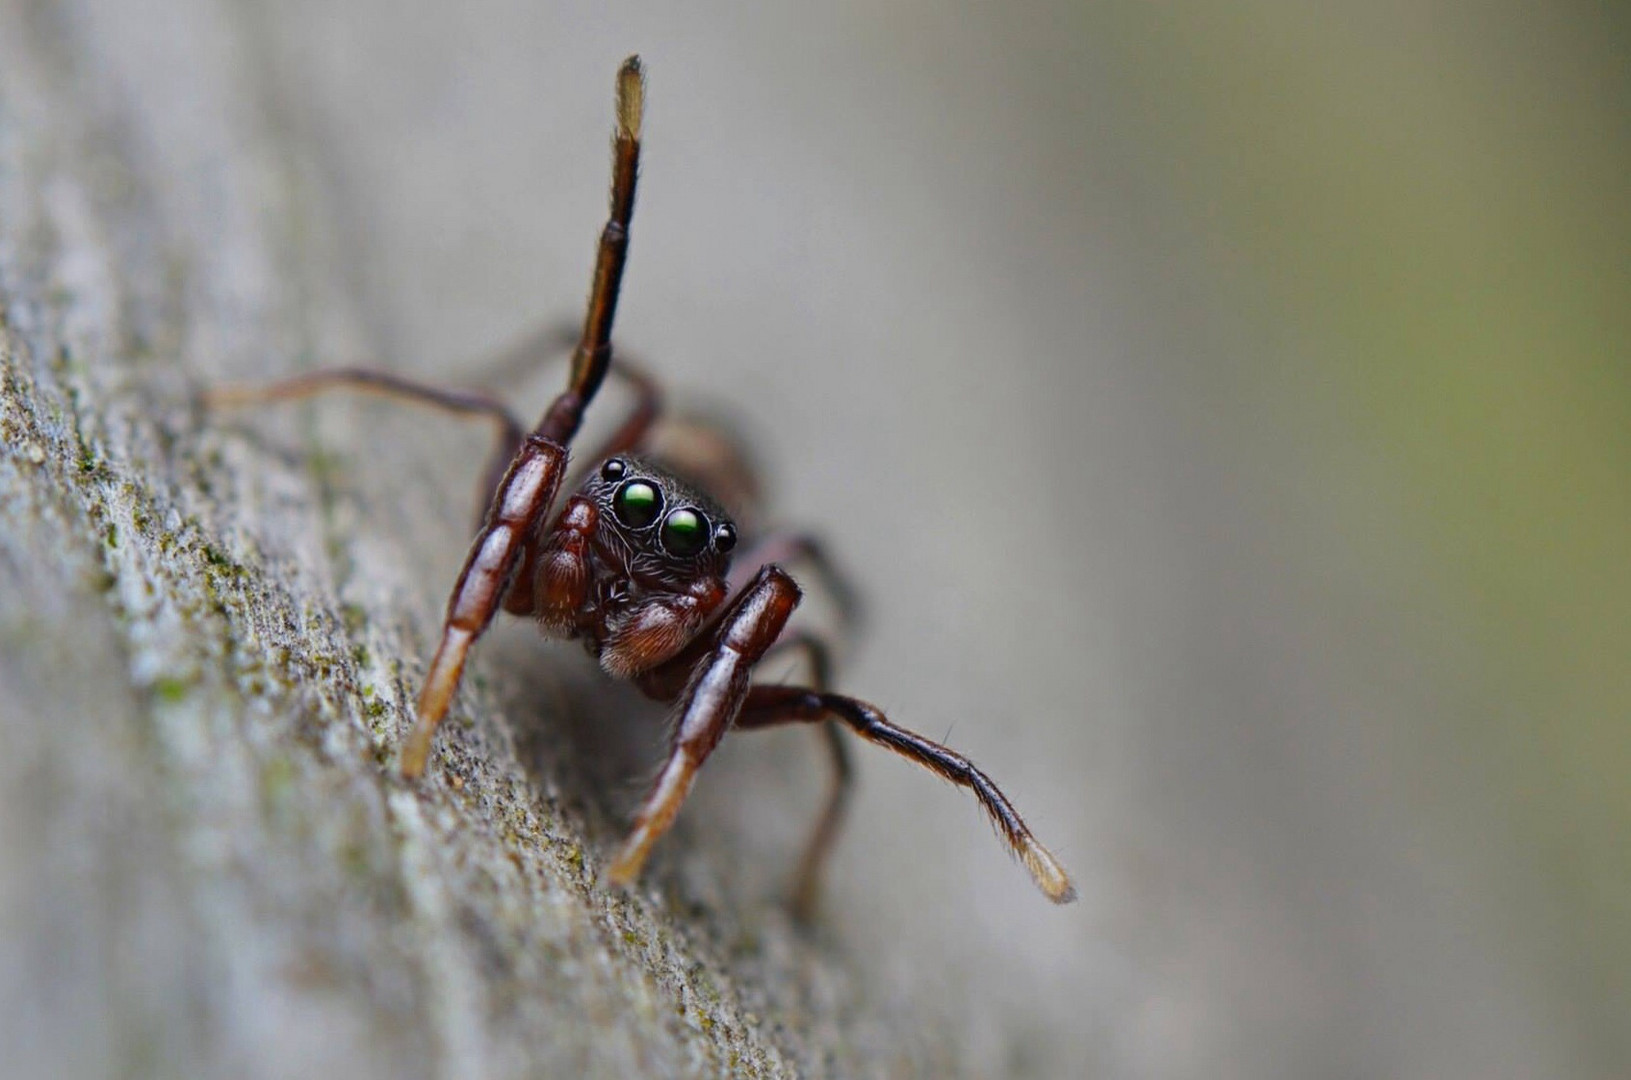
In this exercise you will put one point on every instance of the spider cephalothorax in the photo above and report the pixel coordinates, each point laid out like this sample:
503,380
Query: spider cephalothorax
635,565
638,566
661,529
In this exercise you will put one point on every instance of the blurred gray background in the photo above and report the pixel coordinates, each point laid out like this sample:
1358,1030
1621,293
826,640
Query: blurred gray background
1224,413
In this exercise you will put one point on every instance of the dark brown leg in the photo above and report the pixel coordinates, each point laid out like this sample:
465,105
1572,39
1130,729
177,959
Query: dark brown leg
462,402
594,350
787,549
522,500
577,518
711,700
807,881
527,473
766,706
665,681
647,406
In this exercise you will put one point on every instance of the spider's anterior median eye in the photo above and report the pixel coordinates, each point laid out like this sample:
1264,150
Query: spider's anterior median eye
637,503
685,532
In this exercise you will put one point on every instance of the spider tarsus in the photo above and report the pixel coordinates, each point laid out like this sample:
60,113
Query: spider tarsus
1047,872
631,98
434,698
416,751
656,816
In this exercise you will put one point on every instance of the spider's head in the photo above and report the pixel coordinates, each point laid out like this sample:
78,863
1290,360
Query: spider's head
662,525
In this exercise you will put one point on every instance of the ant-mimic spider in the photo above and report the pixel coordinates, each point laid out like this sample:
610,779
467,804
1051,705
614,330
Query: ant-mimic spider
638,565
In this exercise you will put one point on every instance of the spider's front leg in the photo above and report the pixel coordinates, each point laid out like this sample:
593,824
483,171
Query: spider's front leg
522,500
528,489
712,698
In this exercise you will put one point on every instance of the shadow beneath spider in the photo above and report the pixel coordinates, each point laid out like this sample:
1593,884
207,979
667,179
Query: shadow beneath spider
594,741
593,745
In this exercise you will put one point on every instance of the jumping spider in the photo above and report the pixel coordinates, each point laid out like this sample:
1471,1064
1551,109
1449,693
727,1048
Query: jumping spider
638,565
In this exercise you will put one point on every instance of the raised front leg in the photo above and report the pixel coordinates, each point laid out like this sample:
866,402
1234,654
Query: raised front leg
524,495
718,686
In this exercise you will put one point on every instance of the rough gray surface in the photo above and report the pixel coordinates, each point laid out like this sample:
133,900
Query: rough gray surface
1045,316
210,866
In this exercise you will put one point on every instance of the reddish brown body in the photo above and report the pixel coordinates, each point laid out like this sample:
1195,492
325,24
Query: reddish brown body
638,565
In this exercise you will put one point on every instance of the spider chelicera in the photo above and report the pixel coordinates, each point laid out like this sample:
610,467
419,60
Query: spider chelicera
637,564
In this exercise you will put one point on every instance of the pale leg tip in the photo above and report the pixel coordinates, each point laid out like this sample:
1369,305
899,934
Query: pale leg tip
1048,873
416,752
625,866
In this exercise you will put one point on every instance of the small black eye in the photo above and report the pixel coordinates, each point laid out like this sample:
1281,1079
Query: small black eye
724,537
685,532
637,503
613,470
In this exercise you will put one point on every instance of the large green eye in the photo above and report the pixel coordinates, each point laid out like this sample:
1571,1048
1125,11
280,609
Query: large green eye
637,503
685,532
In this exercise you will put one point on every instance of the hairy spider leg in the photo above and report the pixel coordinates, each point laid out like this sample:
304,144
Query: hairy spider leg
522,500
385,384
553,577
792,548
464,402
631,433
665,681
710,702
668,681
511,437
767,706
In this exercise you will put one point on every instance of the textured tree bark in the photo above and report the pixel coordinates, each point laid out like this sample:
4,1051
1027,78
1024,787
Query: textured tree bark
210,631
